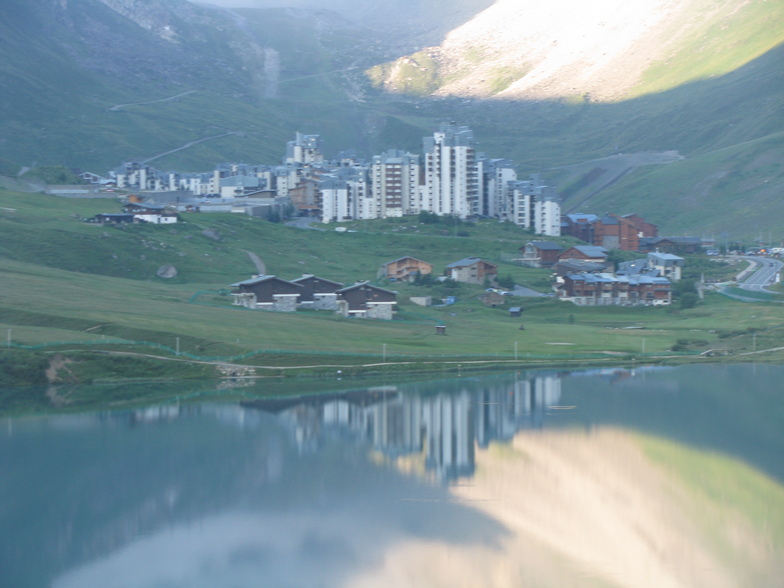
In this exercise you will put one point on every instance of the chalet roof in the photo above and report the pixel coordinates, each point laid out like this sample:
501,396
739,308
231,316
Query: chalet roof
606,278
146,206
635,267
367,284
582,218
405,257
581,265
676,240
546,245
468,261
664,257
305,277
264,278
591,250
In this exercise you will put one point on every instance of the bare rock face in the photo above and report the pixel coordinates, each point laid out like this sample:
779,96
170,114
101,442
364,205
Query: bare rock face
528,49
166,272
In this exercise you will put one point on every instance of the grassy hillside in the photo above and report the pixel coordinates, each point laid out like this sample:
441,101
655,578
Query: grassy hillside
68,280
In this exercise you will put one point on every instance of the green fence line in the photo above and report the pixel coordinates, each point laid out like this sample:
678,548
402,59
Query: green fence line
740,293
388,357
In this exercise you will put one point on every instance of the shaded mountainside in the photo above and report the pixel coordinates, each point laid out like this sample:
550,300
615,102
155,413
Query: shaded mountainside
92,83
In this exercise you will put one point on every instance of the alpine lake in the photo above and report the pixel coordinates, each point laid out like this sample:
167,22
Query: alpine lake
660,477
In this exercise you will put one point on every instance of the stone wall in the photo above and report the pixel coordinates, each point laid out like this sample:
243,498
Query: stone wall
285,303
379,311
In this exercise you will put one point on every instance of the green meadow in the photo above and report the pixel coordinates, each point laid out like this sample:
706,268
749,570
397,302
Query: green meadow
75,286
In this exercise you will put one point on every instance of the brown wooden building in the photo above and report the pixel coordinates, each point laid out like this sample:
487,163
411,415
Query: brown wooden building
404,269
318,293
611,231
367,301
585,252
540,253
605,289
472,270
267,293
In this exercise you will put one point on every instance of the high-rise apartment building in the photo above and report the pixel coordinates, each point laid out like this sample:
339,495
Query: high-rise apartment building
451,182
395,183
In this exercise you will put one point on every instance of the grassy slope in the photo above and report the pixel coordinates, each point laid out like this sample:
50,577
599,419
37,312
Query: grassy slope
64,284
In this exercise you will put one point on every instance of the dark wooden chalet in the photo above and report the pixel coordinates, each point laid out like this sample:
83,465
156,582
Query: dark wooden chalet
113,219
267,292
366,300
313,286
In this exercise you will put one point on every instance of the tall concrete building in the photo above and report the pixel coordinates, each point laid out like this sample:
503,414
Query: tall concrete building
496,174
451,182
534,205
395,183
346,195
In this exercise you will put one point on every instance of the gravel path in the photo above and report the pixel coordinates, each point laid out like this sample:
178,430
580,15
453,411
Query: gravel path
257,261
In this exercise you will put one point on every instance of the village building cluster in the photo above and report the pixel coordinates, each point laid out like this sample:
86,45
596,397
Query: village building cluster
584,276
360,300
450,177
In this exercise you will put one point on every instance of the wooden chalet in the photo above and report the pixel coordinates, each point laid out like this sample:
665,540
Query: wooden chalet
365,300
404,269
607,289
540,253
113,219
318,293
671,244
585,252
151,213
472,270
267,293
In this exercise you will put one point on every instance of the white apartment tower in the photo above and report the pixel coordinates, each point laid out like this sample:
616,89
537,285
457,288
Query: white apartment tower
496,175
533,205
451,182
394,179
346,195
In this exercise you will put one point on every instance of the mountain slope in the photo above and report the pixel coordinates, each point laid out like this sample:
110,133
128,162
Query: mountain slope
260,75
187,86
604,49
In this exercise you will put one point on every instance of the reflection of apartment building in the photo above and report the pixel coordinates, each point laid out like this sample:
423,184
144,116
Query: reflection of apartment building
444,428
504,410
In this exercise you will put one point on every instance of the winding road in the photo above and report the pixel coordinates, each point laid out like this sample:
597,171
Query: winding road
765,274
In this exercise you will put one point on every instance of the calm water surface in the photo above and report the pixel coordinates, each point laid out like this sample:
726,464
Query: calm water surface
655,477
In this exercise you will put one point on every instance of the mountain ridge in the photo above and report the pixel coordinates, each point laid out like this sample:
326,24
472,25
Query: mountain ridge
234,85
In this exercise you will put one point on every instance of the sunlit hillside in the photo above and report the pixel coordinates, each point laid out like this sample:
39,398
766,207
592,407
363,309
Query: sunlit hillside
596,50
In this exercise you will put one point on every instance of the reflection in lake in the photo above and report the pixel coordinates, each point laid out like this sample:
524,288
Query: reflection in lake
659,477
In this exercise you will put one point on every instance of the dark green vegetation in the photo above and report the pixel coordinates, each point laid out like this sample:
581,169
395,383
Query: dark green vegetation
104,86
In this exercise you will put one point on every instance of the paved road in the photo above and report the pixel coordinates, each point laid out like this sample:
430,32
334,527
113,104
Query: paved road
304,223
764,276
